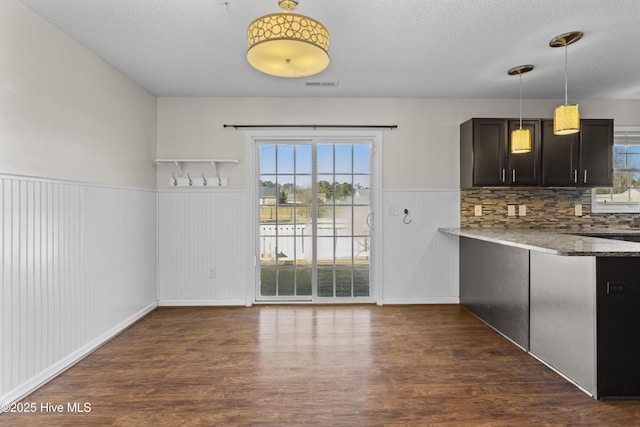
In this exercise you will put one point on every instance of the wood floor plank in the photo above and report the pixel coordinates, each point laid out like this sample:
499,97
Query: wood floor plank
317,365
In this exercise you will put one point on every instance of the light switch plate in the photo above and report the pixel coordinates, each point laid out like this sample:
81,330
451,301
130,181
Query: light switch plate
511,210
578,210
478,210
522,210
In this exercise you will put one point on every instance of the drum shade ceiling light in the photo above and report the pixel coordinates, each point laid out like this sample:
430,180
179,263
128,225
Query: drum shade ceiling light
288,45
566,119
520,138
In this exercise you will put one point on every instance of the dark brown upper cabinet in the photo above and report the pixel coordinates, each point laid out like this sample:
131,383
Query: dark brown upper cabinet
524,168
584,159
485,154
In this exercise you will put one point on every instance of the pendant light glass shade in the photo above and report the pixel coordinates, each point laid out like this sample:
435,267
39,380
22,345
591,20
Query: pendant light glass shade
520,138
520,141
566,118
288,45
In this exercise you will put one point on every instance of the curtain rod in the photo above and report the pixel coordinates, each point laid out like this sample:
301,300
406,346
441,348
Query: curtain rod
314,126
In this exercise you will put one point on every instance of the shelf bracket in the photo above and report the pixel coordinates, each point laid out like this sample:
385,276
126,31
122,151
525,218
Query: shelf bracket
178,166
214,166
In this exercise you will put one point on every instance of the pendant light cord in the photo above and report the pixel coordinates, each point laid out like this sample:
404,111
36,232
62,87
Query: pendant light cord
566,99
520,74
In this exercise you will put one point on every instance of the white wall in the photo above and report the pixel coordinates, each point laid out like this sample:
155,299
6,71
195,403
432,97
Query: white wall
199,231
78,260
65,113
420,264
77,266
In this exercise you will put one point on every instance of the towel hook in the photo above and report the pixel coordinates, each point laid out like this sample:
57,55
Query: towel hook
175,181
190,181
204,180
406,214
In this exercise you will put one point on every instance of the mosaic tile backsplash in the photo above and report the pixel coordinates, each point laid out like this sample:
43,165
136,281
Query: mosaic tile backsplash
545,208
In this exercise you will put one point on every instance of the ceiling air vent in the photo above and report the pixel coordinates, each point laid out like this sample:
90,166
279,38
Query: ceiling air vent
321,84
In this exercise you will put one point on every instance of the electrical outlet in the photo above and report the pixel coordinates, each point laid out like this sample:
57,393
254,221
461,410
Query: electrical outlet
393,210
522,210
578,210
511,210
478,210
212,273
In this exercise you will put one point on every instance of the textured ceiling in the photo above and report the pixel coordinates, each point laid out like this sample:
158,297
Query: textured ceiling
378,48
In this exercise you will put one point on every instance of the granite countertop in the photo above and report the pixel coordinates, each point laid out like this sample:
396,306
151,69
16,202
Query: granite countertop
566,242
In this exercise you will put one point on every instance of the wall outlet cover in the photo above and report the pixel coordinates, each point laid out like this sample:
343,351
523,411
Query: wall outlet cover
511,210
522,210
578,210
478,210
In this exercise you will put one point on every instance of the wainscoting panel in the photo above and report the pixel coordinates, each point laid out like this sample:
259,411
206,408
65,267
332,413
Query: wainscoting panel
420,264
78,264
203,255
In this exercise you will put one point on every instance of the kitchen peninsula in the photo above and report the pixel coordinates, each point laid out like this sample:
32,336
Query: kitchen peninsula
571,298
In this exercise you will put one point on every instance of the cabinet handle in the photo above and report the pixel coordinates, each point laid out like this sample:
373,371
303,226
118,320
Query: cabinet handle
503,175
513,175
575,176
585,176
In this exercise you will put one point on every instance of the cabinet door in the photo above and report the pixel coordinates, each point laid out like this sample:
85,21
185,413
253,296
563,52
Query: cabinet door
489,152
559,157
524,168
618,292
596,156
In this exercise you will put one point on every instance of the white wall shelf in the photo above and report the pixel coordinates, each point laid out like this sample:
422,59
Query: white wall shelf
216,181
179,163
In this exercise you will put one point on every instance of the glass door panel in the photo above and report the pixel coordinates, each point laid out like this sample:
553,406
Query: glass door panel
314,207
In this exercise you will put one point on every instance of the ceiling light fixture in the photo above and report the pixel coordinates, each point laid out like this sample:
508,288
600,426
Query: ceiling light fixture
288,45
520,138
566,119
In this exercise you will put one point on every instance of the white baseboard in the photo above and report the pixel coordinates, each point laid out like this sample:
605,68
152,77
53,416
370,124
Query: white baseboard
63,364
441,300
200,302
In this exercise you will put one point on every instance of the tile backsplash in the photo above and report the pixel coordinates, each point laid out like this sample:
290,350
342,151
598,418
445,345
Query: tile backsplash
545,208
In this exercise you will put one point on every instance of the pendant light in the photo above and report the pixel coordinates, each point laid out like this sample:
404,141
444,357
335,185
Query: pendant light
288,45
566,119
520,138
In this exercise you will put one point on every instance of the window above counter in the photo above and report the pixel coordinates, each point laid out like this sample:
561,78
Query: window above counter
624,195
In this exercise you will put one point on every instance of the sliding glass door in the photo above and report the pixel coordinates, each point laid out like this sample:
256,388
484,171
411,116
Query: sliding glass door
314,212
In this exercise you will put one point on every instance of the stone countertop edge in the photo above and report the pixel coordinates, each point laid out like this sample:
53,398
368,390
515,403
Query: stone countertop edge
558,242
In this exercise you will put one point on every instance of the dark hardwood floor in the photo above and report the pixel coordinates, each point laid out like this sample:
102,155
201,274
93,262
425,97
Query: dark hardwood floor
294,365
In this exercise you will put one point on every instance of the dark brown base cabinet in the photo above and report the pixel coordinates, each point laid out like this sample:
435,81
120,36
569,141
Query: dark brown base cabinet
618,319
583,159
580,315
